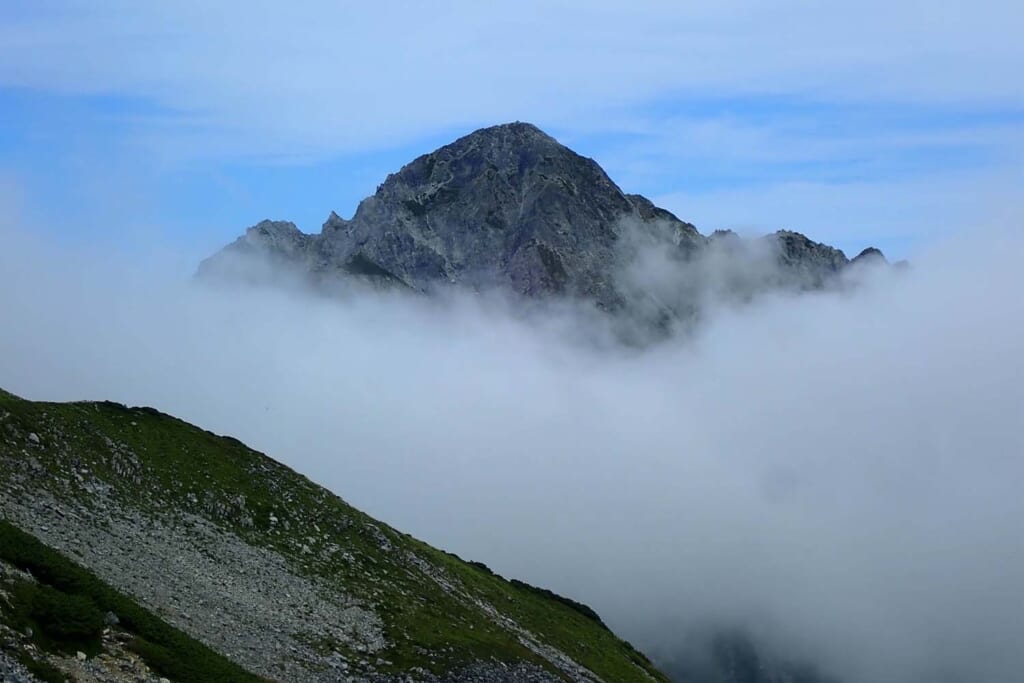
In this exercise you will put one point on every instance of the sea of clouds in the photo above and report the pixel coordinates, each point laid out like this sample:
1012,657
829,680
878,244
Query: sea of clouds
837,473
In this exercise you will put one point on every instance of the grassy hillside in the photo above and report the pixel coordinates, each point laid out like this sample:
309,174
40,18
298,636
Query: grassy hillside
106,463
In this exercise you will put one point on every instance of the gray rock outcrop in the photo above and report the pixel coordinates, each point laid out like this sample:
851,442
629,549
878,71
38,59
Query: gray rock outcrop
510,208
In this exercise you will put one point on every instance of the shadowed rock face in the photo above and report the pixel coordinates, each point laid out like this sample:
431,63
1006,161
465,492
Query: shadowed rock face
505,207
806,263
870,255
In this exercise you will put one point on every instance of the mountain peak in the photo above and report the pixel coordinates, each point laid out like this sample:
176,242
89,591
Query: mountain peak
273,231
502,153
517,134
520,129
504,206
509,207
870,255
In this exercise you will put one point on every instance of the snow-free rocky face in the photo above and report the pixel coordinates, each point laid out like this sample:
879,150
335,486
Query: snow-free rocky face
509,208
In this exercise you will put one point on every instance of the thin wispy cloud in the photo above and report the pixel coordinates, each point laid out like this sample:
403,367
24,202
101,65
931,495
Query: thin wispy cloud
901,215
211,117
343,76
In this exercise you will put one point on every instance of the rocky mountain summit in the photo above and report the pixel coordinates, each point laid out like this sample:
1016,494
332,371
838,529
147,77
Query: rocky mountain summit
137,547
510,208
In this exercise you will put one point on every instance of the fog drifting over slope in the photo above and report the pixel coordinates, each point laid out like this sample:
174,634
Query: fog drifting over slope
840,473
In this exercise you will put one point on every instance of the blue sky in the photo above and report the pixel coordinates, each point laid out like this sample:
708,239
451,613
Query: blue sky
175,127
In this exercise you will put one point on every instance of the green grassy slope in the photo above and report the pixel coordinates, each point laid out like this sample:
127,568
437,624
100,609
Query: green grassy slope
154,462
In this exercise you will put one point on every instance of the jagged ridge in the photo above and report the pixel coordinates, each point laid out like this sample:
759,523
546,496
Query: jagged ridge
508,207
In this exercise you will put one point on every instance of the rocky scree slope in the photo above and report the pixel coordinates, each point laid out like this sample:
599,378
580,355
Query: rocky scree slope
265,572
59,622
510,208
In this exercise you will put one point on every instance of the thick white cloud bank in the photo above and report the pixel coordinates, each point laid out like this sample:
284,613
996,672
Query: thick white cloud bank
840,473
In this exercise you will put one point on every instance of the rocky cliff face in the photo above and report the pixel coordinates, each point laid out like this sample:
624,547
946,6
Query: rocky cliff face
507,207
